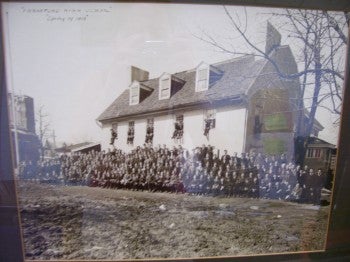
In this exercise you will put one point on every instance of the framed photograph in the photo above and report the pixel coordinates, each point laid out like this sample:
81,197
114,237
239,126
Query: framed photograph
174,131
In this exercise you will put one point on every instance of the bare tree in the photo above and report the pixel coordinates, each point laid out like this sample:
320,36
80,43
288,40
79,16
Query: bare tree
320,41
43,128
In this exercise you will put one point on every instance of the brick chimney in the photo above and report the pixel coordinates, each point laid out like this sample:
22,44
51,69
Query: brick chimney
29,107
138,74
273,38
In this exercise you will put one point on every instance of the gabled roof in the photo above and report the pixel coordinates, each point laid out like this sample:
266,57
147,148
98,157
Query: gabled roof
212,68
173,77
87,146
76,147
318,142
238,75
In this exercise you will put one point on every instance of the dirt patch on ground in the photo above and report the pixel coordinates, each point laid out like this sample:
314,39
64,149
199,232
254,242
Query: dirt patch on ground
78,222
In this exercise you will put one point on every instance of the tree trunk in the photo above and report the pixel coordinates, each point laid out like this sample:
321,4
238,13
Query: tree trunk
303,141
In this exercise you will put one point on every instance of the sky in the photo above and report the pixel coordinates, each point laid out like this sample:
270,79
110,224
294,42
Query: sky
74,58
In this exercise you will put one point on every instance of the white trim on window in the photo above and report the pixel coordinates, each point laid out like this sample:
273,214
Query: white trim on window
202,77
164,86
134,89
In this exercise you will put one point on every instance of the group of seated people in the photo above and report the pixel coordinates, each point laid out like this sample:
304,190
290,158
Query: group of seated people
199,172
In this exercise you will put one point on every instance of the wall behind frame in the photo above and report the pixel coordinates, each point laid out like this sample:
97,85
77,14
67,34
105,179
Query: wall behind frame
338,240
10,233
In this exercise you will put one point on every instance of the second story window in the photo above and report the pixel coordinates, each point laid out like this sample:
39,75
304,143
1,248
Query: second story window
178,127
131,133
149,131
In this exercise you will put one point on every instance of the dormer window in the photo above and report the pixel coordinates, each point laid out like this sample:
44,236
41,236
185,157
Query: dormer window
134,93
202,79
169,85
138,92
164,86
206,75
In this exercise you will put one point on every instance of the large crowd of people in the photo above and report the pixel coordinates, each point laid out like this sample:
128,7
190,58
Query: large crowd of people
198,172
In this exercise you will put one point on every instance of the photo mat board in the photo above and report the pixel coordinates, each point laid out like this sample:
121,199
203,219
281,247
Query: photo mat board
180,96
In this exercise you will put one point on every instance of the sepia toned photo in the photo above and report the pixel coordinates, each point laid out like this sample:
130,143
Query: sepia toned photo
147,131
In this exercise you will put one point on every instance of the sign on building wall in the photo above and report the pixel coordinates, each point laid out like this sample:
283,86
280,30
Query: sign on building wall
276,122
274,146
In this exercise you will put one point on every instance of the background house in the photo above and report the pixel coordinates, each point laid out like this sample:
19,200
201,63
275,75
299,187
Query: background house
321,155
84,147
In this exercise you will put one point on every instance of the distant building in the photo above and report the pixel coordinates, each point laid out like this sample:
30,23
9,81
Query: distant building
22,125
241,105
83,147
320,154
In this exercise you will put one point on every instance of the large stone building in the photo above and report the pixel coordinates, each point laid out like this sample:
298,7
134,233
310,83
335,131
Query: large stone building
22,125
239,105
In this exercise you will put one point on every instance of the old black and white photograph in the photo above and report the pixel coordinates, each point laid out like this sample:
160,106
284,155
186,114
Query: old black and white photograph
147,131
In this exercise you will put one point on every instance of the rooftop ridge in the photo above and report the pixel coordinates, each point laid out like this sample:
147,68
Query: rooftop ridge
239,74
235,59
231,60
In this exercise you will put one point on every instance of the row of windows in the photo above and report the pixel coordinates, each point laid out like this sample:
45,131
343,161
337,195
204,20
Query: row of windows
205,75
209,123
314,153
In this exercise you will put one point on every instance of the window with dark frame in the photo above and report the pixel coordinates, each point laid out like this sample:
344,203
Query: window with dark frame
131,133
314,153
149,131
317,153
309,153
209,121
178,127
114,133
